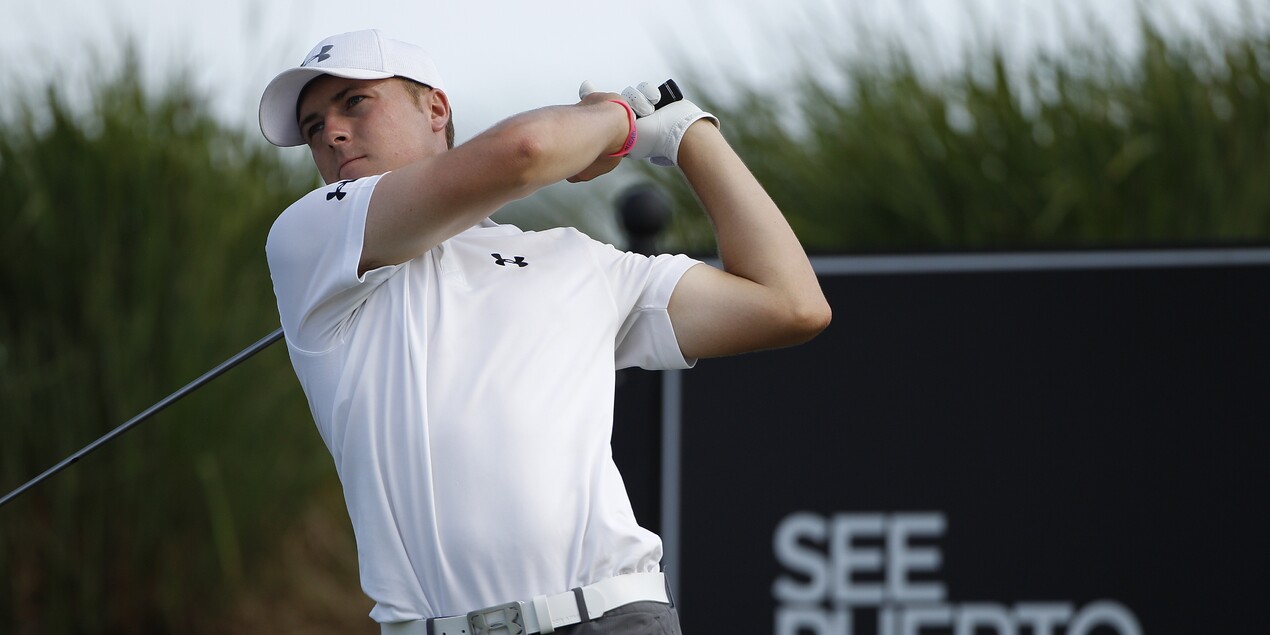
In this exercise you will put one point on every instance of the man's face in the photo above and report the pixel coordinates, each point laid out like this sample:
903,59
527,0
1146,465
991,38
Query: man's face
356,128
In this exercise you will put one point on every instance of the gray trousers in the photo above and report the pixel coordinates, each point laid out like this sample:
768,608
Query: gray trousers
637,618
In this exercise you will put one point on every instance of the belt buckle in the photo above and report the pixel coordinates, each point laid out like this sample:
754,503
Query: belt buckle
503,619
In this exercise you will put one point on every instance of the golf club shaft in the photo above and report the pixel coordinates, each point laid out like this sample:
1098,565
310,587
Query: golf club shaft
163,403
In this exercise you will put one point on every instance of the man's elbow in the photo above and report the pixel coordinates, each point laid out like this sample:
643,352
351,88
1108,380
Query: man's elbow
525,160
515,158
807,320
533,155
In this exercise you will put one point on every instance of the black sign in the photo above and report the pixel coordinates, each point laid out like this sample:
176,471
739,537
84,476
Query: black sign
1079,447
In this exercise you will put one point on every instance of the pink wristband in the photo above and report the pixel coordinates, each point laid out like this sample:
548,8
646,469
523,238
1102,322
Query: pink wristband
630,138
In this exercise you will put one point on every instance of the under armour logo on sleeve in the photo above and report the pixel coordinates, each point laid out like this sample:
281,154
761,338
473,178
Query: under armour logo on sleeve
339,192
519,261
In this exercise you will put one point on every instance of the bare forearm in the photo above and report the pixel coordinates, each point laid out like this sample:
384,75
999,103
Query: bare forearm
559,142
754,240
767,295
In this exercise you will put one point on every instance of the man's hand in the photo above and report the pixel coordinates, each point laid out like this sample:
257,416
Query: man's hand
661,130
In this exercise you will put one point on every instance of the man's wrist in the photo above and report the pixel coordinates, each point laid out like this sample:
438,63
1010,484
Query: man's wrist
628,141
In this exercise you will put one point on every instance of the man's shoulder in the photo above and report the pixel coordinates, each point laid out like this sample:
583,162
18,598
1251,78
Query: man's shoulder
334,195
322,204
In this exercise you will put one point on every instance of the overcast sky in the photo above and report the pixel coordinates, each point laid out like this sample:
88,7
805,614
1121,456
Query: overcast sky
499,57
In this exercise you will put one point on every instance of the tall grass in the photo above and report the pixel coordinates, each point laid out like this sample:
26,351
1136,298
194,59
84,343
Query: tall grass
131,243
1087,148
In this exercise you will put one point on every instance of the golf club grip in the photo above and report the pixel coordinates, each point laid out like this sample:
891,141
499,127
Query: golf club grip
670,94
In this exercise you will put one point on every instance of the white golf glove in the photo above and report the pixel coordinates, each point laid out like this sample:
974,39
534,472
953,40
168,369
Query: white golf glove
661,130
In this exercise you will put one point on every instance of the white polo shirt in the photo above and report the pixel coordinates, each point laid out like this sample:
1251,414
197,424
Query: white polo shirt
466,397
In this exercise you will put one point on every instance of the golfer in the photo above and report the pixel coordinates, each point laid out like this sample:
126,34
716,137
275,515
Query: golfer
461,372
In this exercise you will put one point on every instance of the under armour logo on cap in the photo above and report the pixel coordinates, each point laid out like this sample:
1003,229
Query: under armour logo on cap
359,55
320,56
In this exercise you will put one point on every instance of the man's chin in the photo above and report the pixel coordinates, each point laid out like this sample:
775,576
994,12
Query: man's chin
355,169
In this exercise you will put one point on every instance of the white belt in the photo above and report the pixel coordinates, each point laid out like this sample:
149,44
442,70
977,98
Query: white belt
545,613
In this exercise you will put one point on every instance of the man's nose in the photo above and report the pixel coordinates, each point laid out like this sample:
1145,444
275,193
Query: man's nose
336,131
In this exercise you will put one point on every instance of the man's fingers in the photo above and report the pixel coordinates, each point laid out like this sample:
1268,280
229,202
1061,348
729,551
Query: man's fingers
638,101
651,92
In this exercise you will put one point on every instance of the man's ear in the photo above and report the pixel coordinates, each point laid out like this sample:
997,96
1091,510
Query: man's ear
438,109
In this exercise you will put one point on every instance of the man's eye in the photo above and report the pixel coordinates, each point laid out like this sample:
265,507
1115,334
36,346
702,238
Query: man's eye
314,129
355,99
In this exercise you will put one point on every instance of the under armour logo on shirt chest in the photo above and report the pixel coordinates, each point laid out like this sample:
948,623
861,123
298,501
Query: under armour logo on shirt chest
519,261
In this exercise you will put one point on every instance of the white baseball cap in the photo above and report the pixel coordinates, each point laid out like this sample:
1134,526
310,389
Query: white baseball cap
356,55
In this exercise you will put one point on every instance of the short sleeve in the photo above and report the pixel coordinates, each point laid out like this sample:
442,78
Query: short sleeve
642,287
314,249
